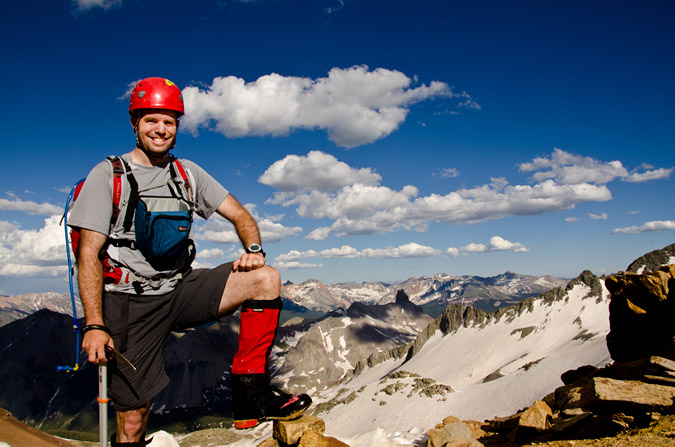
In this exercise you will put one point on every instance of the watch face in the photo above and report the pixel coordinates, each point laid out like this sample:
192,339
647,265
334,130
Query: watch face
254,248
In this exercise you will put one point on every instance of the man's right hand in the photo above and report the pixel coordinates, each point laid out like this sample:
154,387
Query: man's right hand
94,343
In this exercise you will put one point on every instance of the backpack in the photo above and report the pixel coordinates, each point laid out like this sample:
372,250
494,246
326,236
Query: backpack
162,224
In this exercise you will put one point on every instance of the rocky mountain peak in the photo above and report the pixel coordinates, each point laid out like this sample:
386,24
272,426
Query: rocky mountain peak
402,298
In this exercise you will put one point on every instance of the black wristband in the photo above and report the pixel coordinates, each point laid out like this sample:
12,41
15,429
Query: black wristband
94,327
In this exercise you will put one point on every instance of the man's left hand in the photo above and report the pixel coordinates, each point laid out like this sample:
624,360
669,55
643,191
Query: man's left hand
248,262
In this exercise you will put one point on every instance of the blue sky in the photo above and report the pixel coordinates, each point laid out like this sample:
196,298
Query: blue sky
373,140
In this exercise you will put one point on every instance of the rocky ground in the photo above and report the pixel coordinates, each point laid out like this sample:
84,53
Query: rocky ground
660,433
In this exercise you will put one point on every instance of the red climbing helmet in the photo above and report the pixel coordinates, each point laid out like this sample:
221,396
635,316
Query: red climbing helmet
156,93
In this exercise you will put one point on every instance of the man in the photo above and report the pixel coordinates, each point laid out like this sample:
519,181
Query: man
136,288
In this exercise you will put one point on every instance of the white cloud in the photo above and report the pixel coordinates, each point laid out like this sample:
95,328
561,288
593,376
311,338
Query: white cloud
602,216
496,243
210,253
319,186
30,207
33,252
448,173
466,206
411,250
566,168
217,229
84,5
572,219
452,252
572,169
127,93
294,265
316,171
654,174
655,225
354,105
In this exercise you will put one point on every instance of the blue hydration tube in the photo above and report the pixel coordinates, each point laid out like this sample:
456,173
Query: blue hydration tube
76,325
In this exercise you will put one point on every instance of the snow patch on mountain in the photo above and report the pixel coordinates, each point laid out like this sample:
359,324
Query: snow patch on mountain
480,370
20,306
440,289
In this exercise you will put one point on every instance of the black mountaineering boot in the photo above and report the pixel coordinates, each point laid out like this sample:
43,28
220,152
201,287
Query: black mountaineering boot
253,398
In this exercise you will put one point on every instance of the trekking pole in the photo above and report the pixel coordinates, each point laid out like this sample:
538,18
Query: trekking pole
103,404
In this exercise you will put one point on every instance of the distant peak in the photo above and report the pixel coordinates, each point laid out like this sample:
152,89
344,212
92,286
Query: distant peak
402,297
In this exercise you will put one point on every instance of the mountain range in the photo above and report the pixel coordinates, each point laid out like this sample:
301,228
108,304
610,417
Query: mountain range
432,293
380,370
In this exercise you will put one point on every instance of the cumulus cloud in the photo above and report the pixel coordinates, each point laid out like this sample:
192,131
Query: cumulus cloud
572,169
354,105
33,252
655,225
411,250
294,265
447,173
217,229
129,89
384,210
30,207
210,253
84,5
316,171
653,174
452,252
319,186
496,243
602,216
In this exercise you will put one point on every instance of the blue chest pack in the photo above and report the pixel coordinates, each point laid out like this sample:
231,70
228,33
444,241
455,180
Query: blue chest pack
162,223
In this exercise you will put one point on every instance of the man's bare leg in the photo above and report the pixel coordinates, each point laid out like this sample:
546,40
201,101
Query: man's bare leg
132,424
260,284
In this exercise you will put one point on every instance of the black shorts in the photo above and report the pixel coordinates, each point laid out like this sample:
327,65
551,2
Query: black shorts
140,331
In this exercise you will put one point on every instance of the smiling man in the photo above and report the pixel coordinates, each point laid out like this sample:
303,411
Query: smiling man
134,217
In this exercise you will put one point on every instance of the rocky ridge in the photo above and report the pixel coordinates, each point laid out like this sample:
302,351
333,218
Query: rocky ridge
15,307
332,347
431,292
635,391
457,315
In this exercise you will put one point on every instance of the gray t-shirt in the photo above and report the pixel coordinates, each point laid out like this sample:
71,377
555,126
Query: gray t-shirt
93,210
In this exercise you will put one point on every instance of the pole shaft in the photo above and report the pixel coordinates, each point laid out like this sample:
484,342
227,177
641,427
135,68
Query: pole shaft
103,404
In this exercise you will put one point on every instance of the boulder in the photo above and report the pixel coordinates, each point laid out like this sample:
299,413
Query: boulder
641,309
290,432
313,439
536,417
599,391
452,433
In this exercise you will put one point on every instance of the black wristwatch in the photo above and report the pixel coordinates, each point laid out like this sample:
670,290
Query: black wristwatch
255,248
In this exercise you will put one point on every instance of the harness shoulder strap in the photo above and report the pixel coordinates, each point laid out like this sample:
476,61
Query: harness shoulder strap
121,171
182,174
118,171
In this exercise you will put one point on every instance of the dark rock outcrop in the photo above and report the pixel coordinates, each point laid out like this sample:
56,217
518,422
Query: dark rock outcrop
641,310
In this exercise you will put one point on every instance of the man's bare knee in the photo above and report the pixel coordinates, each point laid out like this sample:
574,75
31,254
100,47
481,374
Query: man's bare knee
131,424
270,284
260,284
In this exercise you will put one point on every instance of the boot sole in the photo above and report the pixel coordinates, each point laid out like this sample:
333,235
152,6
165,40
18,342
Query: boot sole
244,424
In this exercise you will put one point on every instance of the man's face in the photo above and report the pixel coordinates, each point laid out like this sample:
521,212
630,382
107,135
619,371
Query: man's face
157,132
